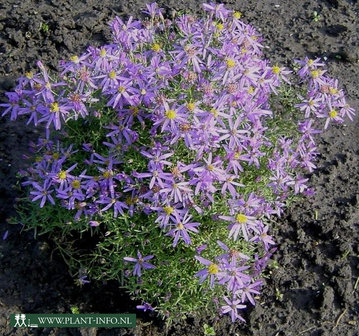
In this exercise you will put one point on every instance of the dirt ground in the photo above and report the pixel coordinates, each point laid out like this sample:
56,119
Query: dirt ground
313,291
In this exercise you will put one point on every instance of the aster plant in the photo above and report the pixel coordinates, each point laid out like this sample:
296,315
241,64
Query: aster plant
167,154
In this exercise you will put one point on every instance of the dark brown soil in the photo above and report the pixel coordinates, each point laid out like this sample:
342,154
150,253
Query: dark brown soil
314,290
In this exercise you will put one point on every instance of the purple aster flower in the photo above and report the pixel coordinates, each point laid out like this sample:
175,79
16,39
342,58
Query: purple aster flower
174,191
230,184
165,213
122,94
157,177
158,159
189,55
218,10
246,292
42,192
264,238
309,106
308,65
212,271
62,176
232,255
170,118
117,205
140,263
232,308
12,106
183,227
233,275
54,112
241,223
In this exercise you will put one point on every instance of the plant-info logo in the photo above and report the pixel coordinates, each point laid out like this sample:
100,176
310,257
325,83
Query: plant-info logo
72,320
20,322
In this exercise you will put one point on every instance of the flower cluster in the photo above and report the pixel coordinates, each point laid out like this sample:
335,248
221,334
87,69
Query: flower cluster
178,126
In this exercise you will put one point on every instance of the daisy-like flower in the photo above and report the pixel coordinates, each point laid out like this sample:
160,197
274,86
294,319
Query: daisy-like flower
63,177
309,106
117,205
332,115
241,223
230,184
12,105
175,190
171,118
53,113
189,55
308,65
43,193
232,308
246,292
141,263
212,271
183,226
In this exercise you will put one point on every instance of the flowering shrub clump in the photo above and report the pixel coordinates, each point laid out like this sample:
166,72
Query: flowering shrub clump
167,153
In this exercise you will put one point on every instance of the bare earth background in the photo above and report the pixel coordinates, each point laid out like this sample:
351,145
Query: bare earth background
312,292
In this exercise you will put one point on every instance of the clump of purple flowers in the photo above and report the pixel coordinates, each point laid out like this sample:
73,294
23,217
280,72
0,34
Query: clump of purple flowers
187,149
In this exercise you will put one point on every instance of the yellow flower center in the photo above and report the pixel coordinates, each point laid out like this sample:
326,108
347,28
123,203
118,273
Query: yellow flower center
62,175
310,62
210,167
112,74
333,113
214,112
56,156
276,70
29,75
74,59
310,102
219,26
333,91
168,210
241,219
171,114
156,47
213,269
38,159
250,89
107,174
103,52
237,15
76,184
143,92
134,110
230,63
190,106
237,155
121,89
54,107
315,73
